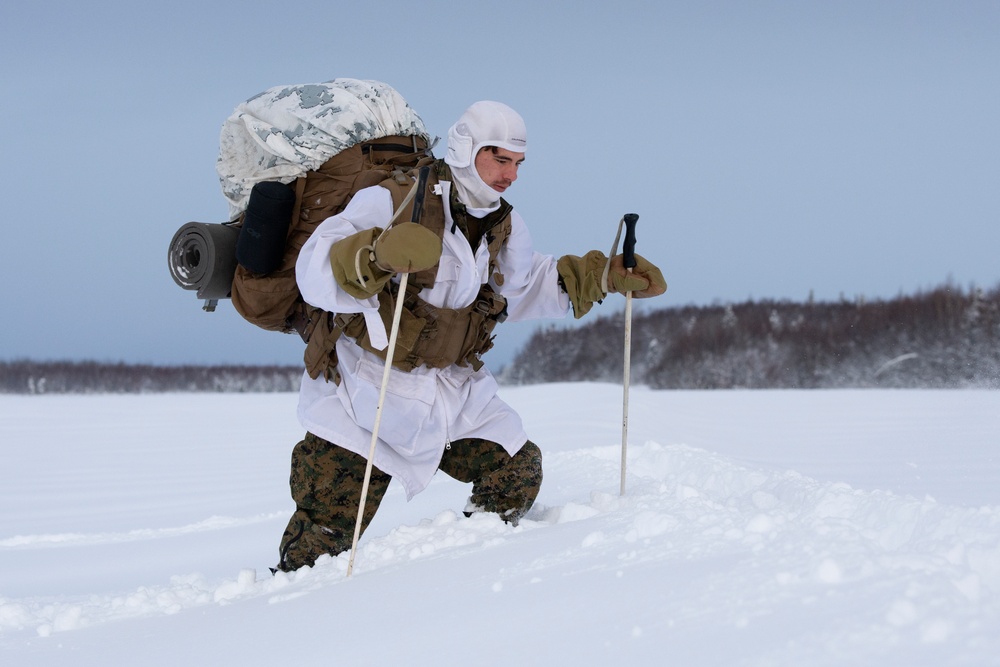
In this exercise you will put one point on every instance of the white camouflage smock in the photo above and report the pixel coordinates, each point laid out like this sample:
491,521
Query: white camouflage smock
425,408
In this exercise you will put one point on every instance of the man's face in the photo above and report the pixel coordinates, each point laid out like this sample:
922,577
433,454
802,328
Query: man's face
498,170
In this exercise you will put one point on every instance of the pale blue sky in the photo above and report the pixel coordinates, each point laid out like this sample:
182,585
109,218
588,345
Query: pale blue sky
770,148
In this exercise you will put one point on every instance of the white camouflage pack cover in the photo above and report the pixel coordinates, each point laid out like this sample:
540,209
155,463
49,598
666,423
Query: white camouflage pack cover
287,131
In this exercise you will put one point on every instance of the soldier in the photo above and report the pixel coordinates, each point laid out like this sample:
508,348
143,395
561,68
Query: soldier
471,264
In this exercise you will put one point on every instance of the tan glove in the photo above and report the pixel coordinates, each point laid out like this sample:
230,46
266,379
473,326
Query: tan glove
404,248
581,277
643,269
345,271
407,248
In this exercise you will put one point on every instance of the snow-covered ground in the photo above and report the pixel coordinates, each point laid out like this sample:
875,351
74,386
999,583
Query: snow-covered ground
758,528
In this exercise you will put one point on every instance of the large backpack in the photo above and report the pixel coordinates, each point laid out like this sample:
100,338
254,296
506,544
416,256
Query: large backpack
292,157
272,300
321,143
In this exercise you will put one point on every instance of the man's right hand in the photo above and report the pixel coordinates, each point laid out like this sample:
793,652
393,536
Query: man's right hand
364,262
407,248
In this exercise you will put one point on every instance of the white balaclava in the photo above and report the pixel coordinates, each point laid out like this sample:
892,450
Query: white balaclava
482,124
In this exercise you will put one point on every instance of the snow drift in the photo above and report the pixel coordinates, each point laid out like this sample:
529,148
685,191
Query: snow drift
852,527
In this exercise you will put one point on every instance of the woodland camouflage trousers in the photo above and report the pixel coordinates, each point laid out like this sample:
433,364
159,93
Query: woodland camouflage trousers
326,483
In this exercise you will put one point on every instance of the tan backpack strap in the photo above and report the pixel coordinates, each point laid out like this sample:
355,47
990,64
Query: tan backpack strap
370,249
399,184
300,188
401,207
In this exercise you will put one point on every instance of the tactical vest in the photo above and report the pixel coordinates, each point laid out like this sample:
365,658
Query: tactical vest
427,335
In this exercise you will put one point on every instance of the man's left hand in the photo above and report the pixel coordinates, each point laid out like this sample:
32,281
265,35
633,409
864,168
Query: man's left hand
644,281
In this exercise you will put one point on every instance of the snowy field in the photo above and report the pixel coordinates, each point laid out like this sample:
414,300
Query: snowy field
758,528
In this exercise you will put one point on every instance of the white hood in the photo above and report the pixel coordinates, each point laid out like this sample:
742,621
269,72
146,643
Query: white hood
483,124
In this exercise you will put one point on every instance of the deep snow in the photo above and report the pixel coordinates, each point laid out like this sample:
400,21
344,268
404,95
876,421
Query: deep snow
758,528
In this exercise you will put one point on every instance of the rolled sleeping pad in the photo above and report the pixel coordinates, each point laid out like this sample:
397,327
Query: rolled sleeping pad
202,256
261,245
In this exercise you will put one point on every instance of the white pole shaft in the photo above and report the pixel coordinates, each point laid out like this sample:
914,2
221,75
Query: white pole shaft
628,365
394,331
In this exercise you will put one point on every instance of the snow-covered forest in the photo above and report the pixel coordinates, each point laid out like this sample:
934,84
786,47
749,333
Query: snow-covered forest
943,338
89,377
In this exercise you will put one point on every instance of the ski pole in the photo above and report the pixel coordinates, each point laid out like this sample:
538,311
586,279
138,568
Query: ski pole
397,314
628,260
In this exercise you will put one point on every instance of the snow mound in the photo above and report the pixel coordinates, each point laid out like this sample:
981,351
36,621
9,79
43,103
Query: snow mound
683,504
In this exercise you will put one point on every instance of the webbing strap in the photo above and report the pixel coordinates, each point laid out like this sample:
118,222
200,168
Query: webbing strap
614,251
371,248
399,148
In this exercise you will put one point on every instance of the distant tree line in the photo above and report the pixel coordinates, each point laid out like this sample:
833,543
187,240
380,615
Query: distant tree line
944,338
63,377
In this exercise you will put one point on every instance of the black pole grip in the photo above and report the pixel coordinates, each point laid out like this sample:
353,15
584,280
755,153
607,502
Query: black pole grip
418,199
628,249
